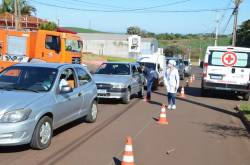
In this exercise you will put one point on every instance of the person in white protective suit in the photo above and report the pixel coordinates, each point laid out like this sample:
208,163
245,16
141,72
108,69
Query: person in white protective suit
171,81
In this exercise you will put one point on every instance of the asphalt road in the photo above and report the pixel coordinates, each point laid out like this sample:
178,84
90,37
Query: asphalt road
201,131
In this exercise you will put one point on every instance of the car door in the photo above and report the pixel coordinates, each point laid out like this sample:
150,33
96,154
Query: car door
67,104
135,79
87,89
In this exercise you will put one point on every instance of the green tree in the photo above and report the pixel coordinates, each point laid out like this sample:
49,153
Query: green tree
48,26
243,34
25,8
133,30
172,50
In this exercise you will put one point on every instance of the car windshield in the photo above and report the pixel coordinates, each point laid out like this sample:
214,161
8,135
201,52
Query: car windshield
114,69
149,65
34,79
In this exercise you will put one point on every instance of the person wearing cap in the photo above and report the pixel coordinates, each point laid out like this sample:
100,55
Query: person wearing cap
171,81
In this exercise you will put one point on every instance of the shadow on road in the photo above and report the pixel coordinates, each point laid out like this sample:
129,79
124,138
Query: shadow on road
13,149
155,103
225,130
117,161
196,92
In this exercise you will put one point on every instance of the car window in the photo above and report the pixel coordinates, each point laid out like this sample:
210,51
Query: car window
67,77
243,59
83,76
186,63
52,43
134,70
114,68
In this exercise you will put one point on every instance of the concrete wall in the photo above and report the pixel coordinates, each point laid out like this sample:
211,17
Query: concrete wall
114,44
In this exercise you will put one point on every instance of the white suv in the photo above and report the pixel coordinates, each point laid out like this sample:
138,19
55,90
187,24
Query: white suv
227,68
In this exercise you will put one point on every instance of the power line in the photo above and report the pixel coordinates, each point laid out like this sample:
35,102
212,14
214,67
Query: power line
138,9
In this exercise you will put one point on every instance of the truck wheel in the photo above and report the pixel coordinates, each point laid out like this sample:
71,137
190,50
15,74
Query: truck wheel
246,96
42,135
126,98
92,115
141,92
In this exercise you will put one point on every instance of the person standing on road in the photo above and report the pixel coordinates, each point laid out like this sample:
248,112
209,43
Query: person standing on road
151,76
171,81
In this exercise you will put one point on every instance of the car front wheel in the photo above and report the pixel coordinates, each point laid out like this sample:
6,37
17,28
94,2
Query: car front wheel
42,135
126,98
141,92
92,115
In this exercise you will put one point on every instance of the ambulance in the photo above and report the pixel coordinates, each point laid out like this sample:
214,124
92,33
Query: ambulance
227,69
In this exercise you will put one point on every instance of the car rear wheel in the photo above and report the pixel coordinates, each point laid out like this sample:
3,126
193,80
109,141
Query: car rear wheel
126,98
92,115
246,96
42,135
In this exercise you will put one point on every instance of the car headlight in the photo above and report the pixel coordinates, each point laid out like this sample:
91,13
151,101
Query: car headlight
15,116
118,85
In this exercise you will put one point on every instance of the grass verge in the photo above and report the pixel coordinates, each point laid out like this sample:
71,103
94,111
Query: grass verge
245,107
93,57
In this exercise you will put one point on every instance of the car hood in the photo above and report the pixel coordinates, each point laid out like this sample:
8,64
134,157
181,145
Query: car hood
11,100
122,79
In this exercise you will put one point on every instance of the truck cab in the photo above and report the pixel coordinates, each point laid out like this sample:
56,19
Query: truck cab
41,45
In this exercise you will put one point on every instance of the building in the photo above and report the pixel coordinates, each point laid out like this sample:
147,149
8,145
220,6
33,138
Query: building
119,45
7,21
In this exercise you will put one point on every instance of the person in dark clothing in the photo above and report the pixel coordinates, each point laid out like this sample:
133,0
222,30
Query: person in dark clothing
150,75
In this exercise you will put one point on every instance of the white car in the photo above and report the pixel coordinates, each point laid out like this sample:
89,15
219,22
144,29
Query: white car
228,69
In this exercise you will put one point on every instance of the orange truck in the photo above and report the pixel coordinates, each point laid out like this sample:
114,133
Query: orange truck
41,46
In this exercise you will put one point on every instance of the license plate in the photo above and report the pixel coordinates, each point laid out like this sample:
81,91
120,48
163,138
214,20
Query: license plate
216,77
102,91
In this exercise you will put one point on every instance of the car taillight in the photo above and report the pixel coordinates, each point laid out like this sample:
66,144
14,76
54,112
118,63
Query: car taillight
205,70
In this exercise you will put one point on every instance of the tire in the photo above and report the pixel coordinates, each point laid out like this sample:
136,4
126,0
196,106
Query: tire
141,92
38,142
246,96
126,98
92,115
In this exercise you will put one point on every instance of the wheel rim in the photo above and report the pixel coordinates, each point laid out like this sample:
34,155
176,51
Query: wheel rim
45,133
128,96
94,111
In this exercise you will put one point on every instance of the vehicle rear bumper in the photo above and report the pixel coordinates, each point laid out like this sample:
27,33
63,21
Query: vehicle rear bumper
226,87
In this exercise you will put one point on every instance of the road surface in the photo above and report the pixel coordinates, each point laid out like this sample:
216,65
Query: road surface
202,131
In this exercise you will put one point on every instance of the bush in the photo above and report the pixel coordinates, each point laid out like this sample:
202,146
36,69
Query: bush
51,26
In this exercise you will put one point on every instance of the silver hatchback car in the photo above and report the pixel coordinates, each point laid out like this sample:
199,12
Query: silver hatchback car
38,98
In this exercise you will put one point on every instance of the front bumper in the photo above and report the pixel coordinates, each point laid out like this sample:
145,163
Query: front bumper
16,133
226,87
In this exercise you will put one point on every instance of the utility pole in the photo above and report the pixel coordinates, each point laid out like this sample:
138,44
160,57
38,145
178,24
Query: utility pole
216,30
235,13
17,14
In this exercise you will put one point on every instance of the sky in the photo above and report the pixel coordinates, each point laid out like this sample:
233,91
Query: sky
157,22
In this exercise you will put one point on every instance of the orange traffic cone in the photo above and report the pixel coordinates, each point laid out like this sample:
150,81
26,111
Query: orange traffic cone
183,92
128,156
163,115
191,79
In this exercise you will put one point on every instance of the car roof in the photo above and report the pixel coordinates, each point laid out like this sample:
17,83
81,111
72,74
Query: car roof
48,65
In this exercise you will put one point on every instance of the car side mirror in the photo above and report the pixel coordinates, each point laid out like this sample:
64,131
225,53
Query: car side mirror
66,89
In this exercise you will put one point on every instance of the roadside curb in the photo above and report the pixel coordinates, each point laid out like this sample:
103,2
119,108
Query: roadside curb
243,118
